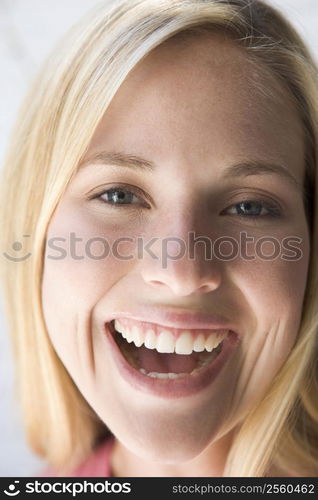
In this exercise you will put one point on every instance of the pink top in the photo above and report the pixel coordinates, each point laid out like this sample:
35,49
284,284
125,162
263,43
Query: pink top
97,463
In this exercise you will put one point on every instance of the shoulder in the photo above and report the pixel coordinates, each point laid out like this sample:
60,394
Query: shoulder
276,471
97,464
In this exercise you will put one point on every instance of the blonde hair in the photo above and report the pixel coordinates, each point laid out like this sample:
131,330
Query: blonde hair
53,131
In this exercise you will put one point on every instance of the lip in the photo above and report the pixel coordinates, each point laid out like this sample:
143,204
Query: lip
174,319
171,388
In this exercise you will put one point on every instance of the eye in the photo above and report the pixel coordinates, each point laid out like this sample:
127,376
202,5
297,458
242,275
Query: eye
253,208
119,196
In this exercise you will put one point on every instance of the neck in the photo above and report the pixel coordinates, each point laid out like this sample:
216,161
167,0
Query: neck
210,463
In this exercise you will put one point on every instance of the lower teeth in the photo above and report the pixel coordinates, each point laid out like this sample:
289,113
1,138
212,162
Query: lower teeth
162,375
198,368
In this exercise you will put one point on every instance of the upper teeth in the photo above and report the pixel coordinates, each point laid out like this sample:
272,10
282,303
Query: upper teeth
166,342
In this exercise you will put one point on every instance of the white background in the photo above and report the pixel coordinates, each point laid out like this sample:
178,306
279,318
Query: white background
28,31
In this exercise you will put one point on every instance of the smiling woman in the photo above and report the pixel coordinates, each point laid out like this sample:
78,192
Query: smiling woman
140,350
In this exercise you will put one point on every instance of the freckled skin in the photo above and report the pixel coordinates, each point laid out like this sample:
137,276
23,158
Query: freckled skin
192,109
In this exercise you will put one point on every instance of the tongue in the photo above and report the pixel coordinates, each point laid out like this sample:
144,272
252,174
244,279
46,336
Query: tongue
152,361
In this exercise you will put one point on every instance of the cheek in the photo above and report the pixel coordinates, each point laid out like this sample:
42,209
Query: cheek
274,292
77,273
80,262
271,275
275,289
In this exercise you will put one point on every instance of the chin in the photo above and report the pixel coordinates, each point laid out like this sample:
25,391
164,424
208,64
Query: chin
169,446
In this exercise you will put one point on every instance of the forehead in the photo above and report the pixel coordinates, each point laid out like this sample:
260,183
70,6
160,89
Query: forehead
202,91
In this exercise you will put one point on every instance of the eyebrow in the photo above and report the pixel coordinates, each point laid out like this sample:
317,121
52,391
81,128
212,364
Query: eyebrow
260,167
241,169
119,159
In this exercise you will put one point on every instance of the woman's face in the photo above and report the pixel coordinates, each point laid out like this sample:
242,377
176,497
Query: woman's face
189,145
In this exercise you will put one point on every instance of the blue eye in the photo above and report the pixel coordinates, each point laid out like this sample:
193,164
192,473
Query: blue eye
119,196
253,208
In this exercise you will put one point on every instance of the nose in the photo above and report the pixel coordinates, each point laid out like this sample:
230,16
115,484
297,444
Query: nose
182,261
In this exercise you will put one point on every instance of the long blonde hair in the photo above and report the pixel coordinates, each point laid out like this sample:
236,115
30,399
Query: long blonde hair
53,131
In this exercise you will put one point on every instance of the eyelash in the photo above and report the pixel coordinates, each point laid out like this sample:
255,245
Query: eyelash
272,209
119,188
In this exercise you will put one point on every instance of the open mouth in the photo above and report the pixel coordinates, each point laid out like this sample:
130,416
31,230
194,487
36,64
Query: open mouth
163,353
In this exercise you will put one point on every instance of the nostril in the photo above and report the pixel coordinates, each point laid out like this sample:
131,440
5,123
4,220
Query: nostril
155,282
205,289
